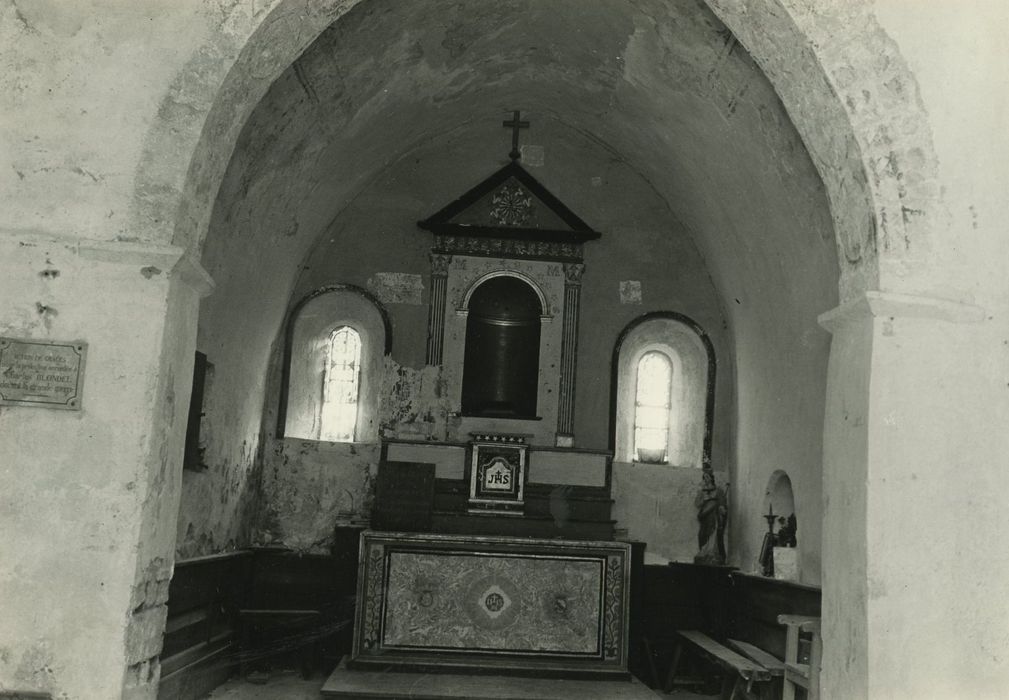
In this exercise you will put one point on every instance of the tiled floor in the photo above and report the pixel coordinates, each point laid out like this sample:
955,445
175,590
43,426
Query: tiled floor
290,686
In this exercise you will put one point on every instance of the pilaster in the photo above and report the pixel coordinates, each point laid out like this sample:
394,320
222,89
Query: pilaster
436,314
93,493
894,466
569,354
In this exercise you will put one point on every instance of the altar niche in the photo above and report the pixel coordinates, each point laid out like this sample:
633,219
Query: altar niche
501,368
503,345
505,263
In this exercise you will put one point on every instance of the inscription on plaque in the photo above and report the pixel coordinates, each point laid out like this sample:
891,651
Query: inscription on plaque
41,373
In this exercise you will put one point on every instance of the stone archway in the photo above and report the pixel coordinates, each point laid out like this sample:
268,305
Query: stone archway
839,76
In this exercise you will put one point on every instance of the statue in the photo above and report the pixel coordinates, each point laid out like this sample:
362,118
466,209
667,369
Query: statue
712,505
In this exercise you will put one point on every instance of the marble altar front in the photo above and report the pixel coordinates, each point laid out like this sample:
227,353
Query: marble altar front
501,603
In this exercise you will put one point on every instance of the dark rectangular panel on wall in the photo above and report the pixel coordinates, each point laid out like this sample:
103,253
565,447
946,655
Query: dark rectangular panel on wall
404,497
193,456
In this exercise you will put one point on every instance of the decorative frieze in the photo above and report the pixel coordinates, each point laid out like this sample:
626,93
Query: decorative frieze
508,248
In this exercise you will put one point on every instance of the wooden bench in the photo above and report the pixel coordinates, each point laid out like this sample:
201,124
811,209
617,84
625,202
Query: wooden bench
774,665
806,676
740,672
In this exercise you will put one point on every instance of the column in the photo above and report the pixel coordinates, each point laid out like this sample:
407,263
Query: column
436,311
569,354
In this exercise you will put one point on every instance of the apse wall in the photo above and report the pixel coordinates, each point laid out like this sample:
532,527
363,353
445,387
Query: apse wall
658,89
375,239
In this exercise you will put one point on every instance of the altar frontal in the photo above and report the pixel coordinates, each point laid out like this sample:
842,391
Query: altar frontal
509,604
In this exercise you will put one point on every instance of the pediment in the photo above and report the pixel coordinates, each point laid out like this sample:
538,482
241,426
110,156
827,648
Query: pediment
510,204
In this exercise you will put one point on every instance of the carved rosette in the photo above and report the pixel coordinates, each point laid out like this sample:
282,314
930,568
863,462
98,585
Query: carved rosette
513,206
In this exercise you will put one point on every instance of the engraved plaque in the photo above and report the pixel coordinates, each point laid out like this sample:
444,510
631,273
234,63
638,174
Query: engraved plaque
42,373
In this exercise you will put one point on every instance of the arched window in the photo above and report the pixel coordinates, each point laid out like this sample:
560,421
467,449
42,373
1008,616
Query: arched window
331,387
652,405
341,385
663,388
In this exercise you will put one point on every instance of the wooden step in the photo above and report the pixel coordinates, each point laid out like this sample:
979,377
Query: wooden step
541,500
361,685
519,526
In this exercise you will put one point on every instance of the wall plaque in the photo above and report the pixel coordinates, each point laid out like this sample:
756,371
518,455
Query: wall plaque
42,373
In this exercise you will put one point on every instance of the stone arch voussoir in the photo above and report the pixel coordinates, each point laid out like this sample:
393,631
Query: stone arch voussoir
856,105
192,138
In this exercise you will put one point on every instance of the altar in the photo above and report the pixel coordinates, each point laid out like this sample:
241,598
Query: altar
499,604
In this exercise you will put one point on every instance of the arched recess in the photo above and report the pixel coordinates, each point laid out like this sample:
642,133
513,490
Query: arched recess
502,354
694,365
779,497
308,326
545,311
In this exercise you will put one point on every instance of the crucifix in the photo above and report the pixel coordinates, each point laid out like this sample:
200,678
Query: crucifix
515,123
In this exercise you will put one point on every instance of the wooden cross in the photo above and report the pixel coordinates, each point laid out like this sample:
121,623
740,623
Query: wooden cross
515,123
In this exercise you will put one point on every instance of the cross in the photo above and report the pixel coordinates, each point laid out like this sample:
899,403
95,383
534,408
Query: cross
515,124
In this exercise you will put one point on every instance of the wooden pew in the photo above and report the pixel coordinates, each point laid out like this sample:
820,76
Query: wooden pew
200,631
740,672
298,605
737,610
757,601
774,665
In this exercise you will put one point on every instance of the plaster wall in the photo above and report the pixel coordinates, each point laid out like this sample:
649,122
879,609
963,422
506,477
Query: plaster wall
312,486
940,372
87,492
929,455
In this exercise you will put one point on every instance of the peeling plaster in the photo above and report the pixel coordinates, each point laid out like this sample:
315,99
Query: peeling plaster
414,402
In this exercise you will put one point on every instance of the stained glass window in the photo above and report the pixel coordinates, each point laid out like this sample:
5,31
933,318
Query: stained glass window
341,385
651,407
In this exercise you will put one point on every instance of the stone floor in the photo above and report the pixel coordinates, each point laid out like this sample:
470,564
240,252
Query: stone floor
288,685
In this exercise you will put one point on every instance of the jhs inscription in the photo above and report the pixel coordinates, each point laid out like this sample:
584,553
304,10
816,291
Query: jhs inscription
498,476
40,373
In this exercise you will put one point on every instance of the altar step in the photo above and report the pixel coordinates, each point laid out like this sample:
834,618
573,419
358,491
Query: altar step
541,500
365,685
456,523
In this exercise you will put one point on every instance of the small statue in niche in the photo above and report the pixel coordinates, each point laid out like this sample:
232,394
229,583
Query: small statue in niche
787,529
712,505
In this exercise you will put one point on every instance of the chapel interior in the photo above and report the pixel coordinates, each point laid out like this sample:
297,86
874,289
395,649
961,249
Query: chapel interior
519,344
697,216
